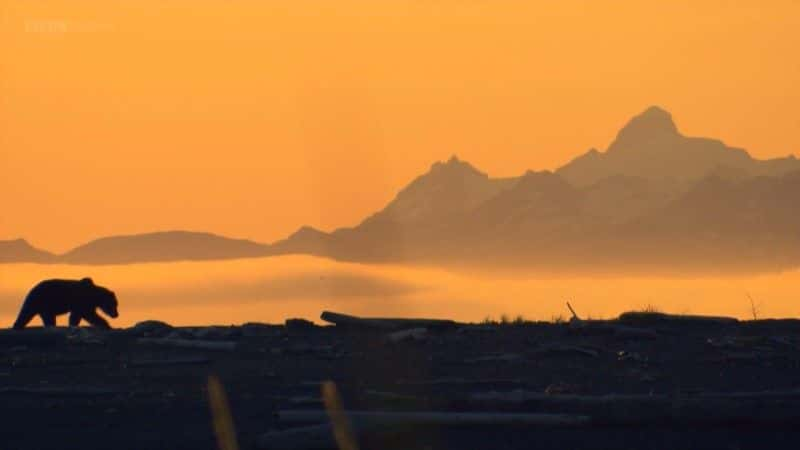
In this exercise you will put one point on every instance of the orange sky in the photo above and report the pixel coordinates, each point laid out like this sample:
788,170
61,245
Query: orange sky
250,118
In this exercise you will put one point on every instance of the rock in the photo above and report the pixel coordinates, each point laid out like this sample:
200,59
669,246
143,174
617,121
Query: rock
623,355
84,336
477,329
151,328
561,388
212,333
299,325
623,332
413,334
190,343
34,336
204,333
253,329
177,334
301,349
505,357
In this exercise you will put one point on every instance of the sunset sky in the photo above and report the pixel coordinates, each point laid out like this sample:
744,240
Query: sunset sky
250,118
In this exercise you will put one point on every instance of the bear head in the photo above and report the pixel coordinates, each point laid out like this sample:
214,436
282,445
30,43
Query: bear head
104,298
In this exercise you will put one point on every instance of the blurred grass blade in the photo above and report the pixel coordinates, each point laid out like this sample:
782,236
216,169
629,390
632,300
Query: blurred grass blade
221,415
342,431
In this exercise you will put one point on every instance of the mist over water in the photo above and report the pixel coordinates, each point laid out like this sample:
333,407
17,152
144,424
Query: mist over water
273,289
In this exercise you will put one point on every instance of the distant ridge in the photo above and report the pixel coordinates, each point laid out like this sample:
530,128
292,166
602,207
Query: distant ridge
19,250
654,199
162,246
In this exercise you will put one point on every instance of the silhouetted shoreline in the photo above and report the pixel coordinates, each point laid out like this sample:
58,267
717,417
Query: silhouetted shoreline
144,387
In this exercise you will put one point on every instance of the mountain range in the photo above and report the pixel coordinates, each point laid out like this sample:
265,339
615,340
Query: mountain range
653,199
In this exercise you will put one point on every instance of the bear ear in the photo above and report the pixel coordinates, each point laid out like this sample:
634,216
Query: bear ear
87,280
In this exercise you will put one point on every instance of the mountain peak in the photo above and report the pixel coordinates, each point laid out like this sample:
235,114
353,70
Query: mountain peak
542,180
655,123
20,250
307,232
655,115
455,167
18,243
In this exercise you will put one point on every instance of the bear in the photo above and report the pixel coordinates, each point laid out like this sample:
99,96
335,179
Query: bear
79,298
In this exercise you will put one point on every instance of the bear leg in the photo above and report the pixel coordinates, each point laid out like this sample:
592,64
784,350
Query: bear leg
74,319
23,318
96,320
49,320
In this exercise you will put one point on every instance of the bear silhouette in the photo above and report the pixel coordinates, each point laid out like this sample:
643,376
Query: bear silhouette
79,298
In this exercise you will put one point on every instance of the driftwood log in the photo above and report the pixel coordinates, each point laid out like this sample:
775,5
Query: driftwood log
315,437
345,320
57,391
655,318
769,407
320,435
179,361
493,382
419,418
613,328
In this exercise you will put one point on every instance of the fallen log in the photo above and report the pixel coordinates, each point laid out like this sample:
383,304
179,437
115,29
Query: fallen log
345,320
769,407
316,437
568,350
654,318
462,382
55,391
420,418
321,434
605,327
190,343
181,361
43,362
305,400
390,396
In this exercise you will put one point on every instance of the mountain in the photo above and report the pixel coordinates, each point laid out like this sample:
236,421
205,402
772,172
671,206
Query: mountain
650,146
621,198
19,250
307,240
654,200
753,208
538,204
162,246
721,225
447,189
411,224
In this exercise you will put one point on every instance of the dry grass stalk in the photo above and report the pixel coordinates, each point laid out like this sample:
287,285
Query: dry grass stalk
753,307
342,430
221,415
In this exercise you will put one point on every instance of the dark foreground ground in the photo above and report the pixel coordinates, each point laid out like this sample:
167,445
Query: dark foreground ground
87,389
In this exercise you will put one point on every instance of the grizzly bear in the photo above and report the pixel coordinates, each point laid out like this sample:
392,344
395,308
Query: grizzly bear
79,298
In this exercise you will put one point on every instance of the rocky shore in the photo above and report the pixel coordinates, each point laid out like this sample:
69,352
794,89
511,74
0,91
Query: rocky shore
644,380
